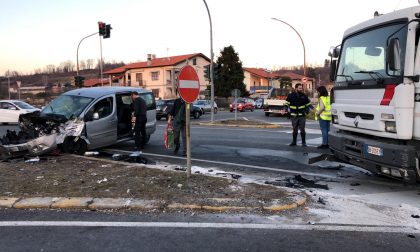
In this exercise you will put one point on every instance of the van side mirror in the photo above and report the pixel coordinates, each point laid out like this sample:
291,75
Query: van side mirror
393,55
95,116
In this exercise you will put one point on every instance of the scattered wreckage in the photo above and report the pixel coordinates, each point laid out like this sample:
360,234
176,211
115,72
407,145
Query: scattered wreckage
42,134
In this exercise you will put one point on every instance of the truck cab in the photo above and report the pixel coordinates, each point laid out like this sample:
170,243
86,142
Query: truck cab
376,96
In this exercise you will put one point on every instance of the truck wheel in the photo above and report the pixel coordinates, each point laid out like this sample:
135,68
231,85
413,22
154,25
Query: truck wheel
267,114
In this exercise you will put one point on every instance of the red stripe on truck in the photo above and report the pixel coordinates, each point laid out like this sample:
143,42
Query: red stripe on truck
388,94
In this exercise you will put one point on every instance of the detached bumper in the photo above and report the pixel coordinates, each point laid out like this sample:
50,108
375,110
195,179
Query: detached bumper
388,159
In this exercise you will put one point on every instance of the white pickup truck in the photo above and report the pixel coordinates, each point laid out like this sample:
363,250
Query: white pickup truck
274,103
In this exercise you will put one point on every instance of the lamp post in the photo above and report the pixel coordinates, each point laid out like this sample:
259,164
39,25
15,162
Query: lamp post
211,65
303,44
77,53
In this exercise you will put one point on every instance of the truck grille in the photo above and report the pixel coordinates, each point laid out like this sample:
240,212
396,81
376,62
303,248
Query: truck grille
362,115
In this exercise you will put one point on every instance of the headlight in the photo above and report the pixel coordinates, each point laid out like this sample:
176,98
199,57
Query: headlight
333,111
390,127
387,116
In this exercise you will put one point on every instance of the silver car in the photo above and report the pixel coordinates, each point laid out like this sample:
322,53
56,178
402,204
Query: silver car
205,105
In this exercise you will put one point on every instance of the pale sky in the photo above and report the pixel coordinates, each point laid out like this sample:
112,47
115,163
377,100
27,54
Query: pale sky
35,33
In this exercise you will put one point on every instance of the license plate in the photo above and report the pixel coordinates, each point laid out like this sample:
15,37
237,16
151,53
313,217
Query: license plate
374,150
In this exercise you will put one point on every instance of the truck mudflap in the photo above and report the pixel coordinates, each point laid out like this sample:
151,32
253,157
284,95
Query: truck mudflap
393,160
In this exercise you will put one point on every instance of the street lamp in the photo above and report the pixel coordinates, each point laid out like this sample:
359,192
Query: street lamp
211,65
303,44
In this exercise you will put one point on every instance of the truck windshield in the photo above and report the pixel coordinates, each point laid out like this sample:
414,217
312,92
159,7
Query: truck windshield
363,57
67,105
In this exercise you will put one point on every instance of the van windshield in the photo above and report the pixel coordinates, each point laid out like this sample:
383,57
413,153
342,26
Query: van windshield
69,106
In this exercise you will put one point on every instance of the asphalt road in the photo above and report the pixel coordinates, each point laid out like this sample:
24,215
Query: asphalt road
96,231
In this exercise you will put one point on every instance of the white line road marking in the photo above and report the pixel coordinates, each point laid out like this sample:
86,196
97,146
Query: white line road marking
232,164
318,227
188,84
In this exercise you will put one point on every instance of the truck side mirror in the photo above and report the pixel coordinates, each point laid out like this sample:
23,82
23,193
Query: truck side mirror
393,55
334,51
333,68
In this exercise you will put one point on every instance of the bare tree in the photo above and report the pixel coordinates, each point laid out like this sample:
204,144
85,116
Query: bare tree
50,69
89,64
82,65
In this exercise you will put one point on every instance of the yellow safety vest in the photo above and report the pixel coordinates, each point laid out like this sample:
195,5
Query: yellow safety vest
326,114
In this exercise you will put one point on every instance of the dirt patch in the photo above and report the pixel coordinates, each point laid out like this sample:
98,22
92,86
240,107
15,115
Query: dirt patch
76,176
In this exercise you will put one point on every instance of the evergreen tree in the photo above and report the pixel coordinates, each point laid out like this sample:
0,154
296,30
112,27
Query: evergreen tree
230,74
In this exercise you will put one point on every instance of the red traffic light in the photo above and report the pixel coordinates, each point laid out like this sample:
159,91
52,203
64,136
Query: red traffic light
102,29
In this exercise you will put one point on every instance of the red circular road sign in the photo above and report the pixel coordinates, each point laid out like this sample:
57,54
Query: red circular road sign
188,84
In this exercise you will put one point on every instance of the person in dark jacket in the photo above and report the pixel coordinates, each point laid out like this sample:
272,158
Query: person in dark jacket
298,104
178,119
139,119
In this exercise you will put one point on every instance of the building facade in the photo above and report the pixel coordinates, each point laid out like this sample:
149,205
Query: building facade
159,74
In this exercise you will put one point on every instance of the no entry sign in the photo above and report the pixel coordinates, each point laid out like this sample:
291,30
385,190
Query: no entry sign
188,84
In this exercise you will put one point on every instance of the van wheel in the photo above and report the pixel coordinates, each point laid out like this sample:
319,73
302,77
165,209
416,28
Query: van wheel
70,146
80,147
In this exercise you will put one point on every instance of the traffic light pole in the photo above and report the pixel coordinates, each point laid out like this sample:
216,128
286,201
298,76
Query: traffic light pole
77,54
100,65
211,64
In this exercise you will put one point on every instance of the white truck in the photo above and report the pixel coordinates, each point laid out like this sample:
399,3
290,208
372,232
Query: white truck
274,103
376,95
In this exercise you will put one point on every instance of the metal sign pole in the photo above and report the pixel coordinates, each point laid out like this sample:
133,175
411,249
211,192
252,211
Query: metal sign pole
188,139
235,102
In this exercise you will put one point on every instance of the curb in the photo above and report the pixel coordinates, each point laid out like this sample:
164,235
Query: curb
210,204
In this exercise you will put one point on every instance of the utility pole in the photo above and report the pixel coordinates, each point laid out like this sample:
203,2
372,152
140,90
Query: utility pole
8,84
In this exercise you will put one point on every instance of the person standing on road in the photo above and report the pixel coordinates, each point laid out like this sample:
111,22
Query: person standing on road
139,119
298,104
178,119
323,114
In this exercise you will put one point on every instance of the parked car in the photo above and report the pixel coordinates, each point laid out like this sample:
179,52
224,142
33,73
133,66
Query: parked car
241,104
163,107
205,105
259,103
10,110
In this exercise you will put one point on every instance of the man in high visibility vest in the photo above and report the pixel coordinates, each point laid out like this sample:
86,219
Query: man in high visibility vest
323,114
298,104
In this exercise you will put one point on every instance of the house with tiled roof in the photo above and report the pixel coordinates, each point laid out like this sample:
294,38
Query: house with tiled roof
258,81
159,74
